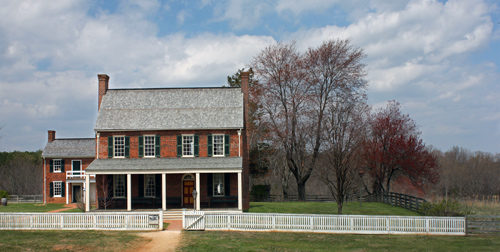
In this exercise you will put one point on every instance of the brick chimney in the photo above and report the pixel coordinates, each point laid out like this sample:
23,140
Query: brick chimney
103,88
246,143
52,135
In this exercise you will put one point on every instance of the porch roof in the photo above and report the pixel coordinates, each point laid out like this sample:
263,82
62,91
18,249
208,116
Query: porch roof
163,164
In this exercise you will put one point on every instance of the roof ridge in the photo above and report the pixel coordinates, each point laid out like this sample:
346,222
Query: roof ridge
75,138
169,88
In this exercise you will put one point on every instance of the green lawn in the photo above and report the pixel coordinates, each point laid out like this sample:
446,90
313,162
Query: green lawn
278,241
366,208
68,240
30,207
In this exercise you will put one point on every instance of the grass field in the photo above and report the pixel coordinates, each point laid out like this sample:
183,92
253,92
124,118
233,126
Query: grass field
278,241
30,207
366,208
68,240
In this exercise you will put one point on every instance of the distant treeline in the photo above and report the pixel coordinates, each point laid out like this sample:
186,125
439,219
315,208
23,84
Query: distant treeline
21,172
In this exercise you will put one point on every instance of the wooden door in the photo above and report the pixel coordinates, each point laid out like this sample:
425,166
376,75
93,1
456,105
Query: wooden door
188,187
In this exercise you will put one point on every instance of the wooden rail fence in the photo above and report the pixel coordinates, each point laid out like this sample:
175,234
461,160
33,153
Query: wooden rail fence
356,224
25,199
398,199
477,224
82,221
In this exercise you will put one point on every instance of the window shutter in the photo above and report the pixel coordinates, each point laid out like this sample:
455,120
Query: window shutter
196,146
158,185
157,145
227,184
51,164
110,147
62,165
141,146
209,185
179,146
62,189
226,145
51,189
127,146
209,145
141,185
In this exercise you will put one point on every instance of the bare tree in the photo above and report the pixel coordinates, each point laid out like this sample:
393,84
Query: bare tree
104,196
296,90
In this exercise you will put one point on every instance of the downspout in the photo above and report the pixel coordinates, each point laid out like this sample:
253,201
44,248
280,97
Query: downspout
44,184
239,143
97,147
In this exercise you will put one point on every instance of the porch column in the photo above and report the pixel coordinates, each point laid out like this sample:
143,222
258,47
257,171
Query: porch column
129,192
240,192
198,191
67,185
87,192
164,191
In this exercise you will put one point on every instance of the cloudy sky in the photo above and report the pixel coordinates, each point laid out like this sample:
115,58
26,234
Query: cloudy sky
439,59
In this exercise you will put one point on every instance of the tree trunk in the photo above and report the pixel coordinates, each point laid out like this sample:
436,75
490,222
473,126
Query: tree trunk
340,204
301,189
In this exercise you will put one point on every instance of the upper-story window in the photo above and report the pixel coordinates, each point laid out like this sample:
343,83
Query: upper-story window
119,146
57,164
218,145
187,145
149,146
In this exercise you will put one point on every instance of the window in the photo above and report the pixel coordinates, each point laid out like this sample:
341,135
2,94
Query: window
57,189
149,185
218,183
119,146
119,186
218,145
76,166
149,146
57,165
187,145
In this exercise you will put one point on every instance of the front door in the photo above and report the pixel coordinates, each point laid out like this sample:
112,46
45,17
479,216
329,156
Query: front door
187,197
77,194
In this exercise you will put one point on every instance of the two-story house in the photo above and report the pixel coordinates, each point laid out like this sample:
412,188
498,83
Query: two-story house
167,148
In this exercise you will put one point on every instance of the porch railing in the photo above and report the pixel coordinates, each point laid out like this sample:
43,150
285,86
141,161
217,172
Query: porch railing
356,224
77,175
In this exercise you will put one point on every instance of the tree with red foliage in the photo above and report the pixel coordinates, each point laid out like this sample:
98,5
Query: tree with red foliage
393,148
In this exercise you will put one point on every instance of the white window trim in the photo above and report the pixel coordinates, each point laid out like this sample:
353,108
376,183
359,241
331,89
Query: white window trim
81,164
192,150
146,185
54,189
223,145
223,184
53,166
124,185
114,146
144,146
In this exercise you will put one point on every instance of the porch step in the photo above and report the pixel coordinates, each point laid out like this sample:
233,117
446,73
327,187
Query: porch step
172,214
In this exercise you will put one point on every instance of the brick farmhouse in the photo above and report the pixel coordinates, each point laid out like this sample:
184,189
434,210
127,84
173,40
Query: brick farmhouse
152,148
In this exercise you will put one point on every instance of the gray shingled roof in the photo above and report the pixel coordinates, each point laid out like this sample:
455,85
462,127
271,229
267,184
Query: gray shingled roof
67,148
171,109
162,164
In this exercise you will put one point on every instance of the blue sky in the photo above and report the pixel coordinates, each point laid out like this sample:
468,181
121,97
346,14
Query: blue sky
439,59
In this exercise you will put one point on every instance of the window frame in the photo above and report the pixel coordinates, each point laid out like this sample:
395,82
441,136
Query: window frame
81,164
223,145
214,185
115,185
192,144
54,165
54,195
115,145
146,176
144,146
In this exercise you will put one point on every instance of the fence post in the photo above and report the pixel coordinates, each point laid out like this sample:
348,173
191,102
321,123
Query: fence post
312,222
228,222
62,221
273,218
161,221
351,223
184,218
427,225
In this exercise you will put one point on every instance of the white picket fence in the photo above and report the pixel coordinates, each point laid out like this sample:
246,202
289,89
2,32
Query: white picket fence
82,221
355,224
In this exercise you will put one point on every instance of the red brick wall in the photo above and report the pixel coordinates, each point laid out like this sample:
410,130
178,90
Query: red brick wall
61,176
168,145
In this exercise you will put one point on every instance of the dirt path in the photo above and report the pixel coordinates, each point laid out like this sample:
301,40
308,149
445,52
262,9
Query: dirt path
161,241
66,207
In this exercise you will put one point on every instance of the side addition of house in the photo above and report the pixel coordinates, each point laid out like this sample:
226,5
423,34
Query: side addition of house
157,148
